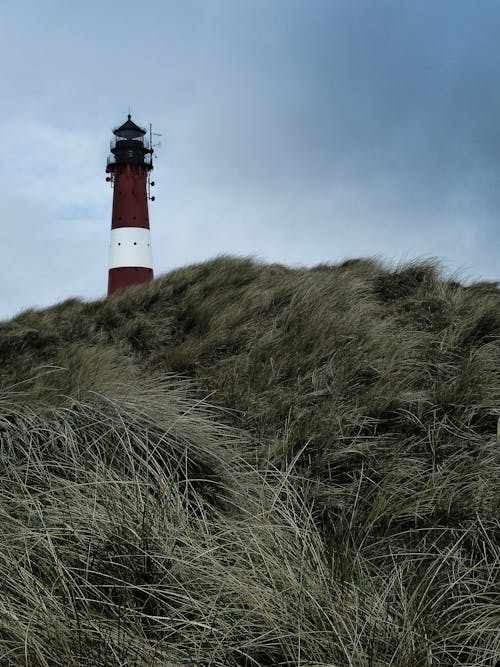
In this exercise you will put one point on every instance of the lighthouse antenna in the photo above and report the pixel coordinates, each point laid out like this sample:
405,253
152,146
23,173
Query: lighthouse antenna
151,153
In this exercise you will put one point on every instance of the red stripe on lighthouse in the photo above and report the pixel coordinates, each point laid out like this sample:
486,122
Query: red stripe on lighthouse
128,276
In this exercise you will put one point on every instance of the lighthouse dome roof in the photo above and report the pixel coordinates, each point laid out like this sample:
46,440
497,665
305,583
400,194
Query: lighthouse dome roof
129,130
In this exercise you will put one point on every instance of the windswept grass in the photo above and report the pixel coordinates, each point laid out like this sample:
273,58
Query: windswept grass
249,465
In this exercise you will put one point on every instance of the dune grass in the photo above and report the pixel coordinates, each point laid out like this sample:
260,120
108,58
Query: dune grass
243,464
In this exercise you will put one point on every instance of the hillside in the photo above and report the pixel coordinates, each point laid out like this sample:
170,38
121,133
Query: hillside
249,464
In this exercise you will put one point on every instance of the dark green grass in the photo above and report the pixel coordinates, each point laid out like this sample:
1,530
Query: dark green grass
339,506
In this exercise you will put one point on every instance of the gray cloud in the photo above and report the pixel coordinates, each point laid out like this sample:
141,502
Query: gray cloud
299,132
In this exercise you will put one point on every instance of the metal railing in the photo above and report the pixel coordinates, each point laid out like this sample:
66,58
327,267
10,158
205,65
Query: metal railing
148,159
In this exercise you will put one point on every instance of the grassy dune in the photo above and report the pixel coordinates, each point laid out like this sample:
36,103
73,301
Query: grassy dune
248,465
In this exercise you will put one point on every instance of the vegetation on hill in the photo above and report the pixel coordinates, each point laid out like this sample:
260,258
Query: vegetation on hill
247,465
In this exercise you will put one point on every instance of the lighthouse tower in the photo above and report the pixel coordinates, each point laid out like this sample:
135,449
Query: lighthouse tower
130,259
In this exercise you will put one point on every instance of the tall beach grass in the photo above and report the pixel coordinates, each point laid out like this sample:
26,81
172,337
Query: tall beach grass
249,465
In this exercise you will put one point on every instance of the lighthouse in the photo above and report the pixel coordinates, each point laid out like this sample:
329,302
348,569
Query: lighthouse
130,258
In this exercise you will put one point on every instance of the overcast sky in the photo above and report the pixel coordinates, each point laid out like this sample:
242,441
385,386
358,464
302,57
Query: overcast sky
293,131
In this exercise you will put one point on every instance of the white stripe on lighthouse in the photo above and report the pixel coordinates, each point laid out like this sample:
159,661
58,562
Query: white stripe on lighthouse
130,246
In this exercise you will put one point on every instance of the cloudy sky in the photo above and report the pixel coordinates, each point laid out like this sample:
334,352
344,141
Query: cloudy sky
293,131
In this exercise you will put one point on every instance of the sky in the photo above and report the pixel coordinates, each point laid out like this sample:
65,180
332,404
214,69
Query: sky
292,131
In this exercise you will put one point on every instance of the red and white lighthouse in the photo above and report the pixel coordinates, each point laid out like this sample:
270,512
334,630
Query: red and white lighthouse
130,259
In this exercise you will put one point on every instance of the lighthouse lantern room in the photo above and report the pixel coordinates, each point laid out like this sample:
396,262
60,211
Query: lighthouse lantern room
130,259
